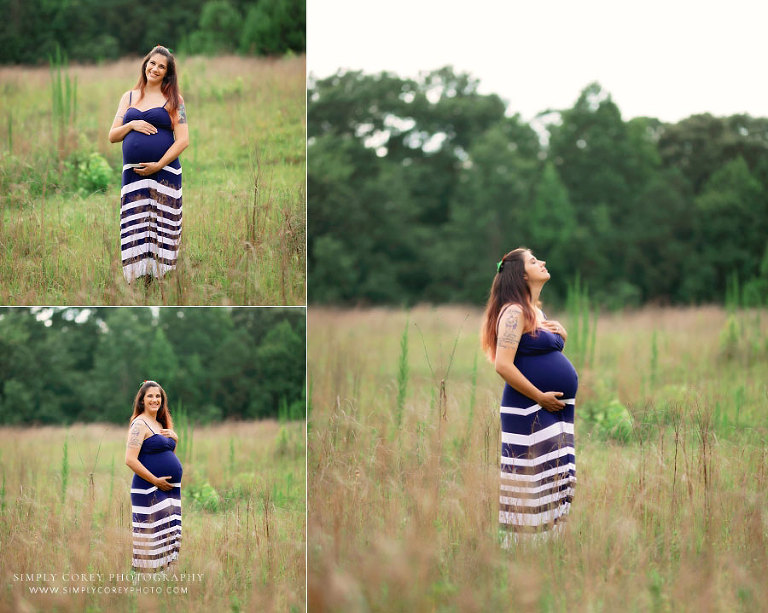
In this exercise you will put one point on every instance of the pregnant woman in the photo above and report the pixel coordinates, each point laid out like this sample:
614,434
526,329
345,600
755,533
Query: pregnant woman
538,469
155,490
151,121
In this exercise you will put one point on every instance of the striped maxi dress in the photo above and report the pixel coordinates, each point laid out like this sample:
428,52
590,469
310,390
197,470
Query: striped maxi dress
538,461
156,514
150,206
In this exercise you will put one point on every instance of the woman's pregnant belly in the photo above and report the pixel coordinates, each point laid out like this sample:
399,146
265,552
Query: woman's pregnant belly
550,372
163,464
139,147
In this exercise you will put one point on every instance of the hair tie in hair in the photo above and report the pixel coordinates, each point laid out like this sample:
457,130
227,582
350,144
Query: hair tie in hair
146,381
500,266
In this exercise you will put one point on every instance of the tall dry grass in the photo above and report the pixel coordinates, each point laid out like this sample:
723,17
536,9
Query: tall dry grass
243,518
673,520
244,187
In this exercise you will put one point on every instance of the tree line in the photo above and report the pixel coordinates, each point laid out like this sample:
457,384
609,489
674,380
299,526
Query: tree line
59,366
417,187
92,30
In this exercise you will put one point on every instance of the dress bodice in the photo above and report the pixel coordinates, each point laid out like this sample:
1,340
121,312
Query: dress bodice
157,443
544,342
158,116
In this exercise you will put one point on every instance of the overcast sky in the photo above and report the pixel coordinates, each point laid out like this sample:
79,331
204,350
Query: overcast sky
660,59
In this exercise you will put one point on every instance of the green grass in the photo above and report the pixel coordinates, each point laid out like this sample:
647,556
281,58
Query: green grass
672,519
243,526
244,239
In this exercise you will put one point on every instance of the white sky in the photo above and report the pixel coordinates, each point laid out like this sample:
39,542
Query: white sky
661,59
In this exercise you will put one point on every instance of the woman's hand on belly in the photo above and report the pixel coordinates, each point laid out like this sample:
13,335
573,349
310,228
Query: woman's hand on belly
549,401
147,168
162,484
139,125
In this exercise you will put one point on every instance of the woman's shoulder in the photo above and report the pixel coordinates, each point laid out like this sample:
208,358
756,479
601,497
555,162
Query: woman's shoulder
510,308
139,423
129,96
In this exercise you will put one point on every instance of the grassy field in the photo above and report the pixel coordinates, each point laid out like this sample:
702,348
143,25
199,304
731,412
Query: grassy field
244,239
243,508
403,467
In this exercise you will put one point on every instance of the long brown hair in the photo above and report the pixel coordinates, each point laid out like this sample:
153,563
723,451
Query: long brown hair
509,287
163,414
170,86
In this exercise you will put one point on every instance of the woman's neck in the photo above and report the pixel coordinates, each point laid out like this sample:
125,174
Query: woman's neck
151,417
152,89
535,292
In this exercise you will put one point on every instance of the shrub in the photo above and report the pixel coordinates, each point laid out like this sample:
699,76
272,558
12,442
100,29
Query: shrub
89,172
204,496
613,421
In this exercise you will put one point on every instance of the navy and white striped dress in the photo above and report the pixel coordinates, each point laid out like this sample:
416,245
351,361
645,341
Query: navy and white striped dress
150,206
156,514
538,461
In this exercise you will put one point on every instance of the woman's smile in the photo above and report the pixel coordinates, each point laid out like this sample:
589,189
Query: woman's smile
153,399
156,68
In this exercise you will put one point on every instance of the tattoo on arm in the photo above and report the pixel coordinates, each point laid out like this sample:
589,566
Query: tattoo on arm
510,336
182,113
134,440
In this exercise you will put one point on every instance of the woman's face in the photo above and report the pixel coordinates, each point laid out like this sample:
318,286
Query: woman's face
156,68
153,399
535,269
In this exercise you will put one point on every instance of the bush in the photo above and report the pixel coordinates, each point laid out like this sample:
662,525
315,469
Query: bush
612,421
204,496
89,172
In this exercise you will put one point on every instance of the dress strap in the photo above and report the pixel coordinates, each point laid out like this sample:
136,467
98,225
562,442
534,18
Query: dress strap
166,102
146,424
130,97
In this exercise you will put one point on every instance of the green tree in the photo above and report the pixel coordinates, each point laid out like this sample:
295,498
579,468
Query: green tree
660,251
732,223
160,362
700,145
491,211
17,405
119,364
552,227
385,158
280,359
219,28
274,27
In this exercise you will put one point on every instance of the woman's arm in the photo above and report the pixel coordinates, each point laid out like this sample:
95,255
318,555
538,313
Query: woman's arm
510,331
135,438
181,134
118,131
